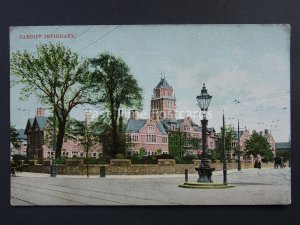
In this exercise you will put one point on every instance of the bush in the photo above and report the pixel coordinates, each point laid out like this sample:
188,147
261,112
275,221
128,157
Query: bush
91,160
137,159
188,159
104,159
121,156
61,160
17,159
164,156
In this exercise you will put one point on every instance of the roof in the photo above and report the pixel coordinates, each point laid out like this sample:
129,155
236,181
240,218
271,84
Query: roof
21,134
31,121
161,128
163,83
133,126
283,145
167,124
240,133
42,121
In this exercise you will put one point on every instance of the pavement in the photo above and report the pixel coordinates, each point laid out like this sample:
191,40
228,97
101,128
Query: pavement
252,187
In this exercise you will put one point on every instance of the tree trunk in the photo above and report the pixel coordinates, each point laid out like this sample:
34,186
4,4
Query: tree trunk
114,139
60,139
87,163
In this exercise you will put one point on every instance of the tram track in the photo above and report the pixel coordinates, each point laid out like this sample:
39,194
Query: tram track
52,196
95,191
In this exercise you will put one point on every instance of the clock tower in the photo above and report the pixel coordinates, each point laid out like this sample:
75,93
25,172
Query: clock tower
163,102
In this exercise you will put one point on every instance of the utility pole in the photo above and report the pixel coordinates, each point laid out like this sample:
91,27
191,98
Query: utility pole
224,154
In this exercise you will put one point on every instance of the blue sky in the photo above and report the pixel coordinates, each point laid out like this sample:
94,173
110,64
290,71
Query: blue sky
249,63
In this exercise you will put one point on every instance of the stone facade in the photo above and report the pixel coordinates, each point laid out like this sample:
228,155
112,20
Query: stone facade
134,169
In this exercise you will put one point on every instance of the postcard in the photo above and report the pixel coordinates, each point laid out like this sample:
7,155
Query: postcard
150,115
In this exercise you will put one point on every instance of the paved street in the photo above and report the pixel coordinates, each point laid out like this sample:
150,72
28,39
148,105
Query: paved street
253,186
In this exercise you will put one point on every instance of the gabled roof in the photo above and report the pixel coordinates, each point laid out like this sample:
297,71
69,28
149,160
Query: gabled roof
283,145
163,83
42,121
29,124
31,120
133,126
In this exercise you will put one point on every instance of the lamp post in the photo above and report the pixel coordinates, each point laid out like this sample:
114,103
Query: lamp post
204,170
239,148
224,153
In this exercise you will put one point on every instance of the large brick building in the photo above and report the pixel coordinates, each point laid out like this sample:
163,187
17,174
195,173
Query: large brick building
153,134
38,140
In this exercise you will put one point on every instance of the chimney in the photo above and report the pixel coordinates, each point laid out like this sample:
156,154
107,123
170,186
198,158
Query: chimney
40,112
133,114
88,118
266,131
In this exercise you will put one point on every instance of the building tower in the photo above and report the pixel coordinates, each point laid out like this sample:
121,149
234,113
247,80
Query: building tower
163,102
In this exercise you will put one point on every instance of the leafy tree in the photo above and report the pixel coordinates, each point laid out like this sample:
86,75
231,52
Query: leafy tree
86,134
179,142
283,153
229,139
116,87
258,145
14,137
54,74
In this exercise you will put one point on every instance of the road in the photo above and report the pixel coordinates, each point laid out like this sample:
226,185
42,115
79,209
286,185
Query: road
252,187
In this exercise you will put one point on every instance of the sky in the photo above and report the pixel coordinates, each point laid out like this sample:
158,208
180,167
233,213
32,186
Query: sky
246,63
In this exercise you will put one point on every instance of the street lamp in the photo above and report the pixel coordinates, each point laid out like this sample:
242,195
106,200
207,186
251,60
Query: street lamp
204,170
239,148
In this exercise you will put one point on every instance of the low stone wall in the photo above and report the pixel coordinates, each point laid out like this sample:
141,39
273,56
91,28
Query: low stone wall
134,169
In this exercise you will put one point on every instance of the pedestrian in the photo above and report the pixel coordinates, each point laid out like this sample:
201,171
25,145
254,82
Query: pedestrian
259,164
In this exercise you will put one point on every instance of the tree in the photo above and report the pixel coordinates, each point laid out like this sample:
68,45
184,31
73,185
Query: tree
258,145
116,87
54,74
179,142
285,154
86,134
14,137
229,139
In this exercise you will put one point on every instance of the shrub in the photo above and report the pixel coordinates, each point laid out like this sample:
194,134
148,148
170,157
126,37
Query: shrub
104,159
164,156
188,159
17,159
91,160
61,160
137,159
121,156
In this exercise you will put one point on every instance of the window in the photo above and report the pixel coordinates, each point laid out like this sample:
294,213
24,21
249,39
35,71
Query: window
151,138
164,140
150,129
94,154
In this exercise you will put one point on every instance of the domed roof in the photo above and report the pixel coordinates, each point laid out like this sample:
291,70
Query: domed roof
163,83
